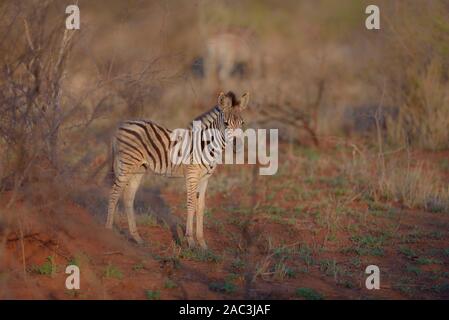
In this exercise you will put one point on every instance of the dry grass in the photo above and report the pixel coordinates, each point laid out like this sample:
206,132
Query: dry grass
314,60
415,184
415,62
423,116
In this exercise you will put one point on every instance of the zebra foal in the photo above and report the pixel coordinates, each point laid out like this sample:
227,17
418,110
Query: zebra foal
140,146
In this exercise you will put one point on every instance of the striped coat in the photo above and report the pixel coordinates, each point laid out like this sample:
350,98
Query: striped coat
141,145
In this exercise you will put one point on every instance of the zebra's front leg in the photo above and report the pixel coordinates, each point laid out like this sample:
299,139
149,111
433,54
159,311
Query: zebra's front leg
192,185
201,195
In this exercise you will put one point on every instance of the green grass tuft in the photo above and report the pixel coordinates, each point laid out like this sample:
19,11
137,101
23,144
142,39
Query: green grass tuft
153,295
170,284
309,294
48,268
112,271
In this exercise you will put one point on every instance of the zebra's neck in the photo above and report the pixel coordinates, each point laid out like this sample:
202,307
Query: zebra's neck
212,122
212,133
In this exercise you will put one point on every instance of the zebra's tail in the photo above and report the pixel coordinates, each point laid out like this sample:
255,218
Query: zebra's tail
113,169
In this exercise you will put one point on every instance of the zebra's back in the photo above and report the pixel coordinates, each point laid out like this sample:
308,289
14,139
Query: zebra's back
143,144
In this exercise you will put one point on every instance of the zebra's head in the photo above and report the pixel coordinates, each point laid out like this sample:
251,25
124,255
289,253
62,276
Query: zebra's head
232,111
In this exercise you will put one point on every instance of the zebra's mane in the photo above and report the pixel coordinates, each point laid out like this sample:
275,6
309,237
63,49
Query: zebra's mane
205,114
215,109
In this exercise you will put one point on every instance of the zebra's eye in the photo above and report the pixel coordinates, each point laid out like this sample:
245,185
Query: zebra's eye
226,123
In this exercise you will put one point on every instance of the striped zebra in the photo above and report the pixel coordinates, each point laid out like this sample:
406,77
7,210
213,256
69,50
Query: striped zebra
140,145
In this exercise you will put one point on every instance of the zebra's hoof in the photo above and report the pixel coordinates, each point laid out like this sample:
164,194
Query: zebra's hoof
203,244
191,243
137,239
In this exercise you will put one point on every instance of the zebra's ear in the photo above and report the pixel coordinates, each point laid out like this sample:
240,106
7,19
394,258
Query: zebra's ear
244,100
224,101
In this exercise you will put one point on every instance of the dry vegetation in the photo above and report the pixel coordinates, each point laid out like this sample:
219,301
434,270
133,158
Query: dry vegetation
363,172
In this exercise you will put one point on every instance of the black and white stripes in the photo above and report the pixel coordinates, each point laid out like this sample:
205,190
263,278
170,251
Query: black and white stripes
141,145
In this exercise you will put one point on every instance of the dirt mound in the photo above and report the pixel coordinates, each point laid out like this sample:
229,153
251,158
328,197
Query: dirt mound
38,244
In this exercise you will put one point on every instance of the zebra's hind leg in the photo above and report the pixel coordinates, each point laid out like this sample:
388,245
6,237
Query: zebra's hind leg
128,199
116,191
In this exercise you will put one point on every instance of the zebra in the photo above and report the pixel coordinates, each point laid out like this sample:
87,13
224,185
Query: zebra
230,53
139,146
